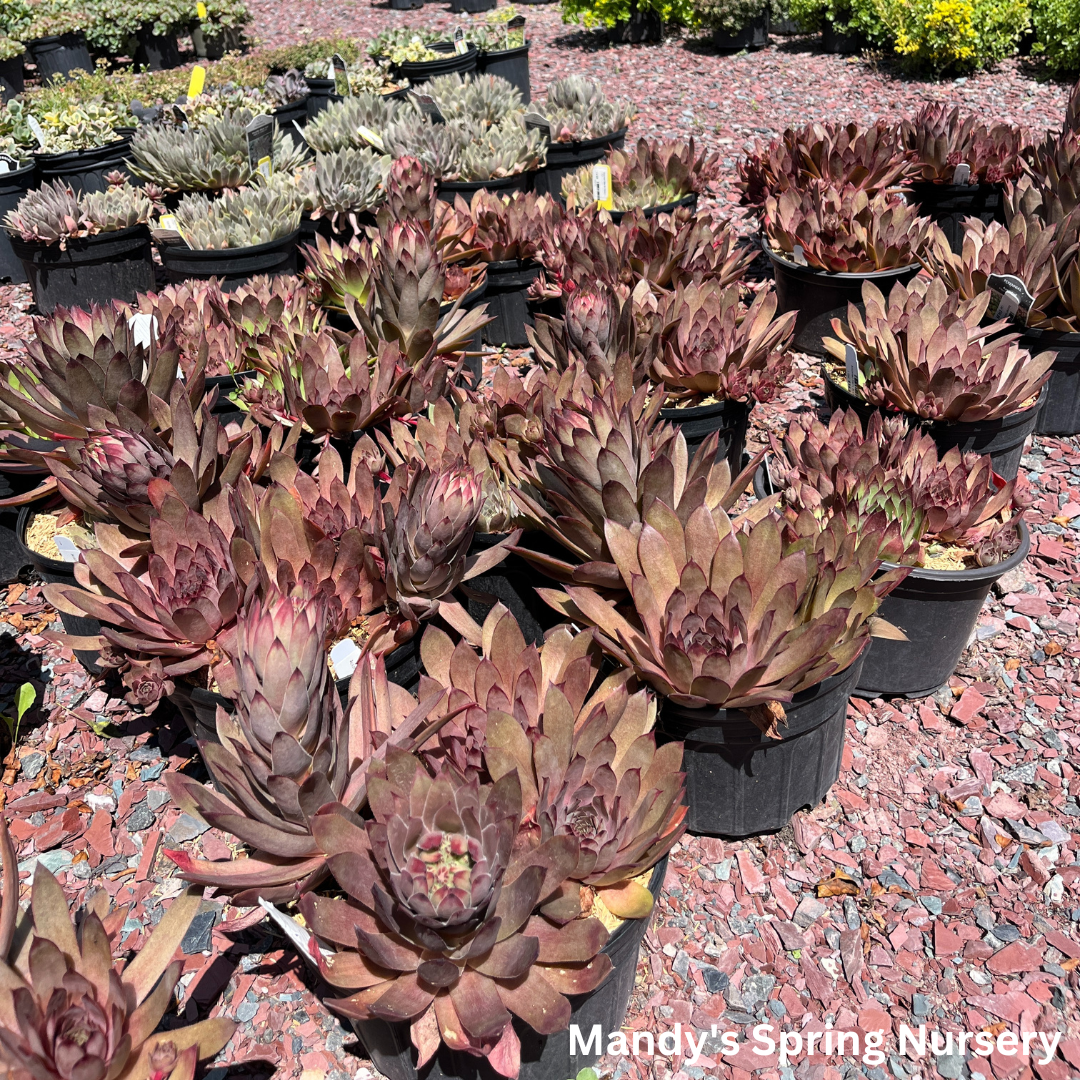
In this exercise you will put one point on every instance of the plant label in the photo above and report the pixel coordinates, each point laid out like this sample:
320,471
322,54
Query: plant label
345,655
198,81
7,164
180,116
260,144
200,10
962,173
515,32
68,551
340,74
37,129
541,123
168,230
601,187
1009,298
461,46
798,256
767,476
143,327
428,107
371,137
851,369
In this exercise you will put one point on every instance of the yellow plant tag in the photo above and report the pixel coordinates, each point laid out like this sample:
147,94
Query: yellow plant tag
601,187
198,81
371,137
167,223
200,9
265,166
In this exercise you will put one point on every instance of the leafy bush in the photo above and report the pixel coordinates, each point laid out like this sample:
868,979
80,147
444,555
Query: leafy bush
733,15
1057,35
943,36
597,13
112,23
859,17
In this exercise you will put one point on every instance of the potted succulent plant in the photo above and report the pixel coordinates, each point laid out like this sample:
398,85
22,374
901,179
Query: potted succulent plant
371,77
824,242
751,641
719,356
15,20
246,232
420,55
83,145
950,518
506,235
923,352
341,191
504,51
582,126
656,176
121,1041
81,250
340,125
737,24
961,165
56,42
871,159
288,93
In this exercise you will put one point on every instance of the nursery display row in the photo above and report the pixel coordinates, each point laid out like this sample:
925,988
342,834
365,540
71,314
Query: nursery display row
467,646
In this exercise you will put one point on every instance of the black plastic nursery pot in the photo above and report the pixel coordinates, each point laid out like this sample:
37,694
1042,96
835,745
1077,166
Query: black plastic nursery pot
1060,413
474,361
543,1057
1003,440
224,409
84,171
785,27
13,186
90,269
937,610
11,78
643,27
158,52
836,41
448,190
838,397
507,299
53,570
320,93
423,70
813,292
513,583
59,54
664,208
741,783
406,5
296,112
950,204
698,422
511,65
14,480
233,265
470,7
755,35
568,157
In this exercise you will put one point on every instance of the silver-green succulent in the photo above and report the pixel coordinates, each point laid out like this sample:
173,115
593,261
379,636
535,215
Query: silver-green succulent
245,218
338,125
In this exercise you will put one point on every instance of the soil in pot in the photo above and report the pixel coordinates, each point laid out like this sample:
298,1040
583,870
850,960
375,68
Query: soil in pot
11,78
35,532
1060,412
698,422
512,583
511,65
741,783
568,157
158,52
91,269
233,265
1003,440
755,35
542,1057
507,299
13,186
950,204
813,292
58,55
937,610
84,171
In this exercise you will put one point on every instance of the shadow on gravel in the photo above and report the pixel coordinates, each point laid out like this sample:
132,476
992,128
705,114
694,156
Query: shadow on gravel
18,666
585,40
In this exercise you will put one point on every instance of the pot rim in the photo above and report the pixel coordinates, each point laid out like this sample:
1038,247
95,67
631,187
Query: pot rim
1064,337
689,199
697,412
576,145
216,254
494,182
22,522
47,158
956,189
838,275
82,242
19,172
977,573
507,53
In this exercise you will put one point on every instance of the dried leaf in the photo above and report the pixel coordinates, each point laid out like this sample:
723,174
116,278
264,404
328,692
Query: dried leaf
839,884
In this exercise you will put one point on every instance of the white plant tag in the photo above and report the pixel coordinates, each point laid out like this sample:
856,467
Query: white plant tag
851,369
798,256
260,144
1009,298
461,46
535,120
371,137
601,186
962,173
68,551
428,106
144,327
300,936
345,655
7,164
36,128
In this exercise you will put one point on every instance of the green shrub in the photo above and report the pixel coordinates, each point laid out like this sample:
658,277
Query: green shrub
860,17
732,15
1057,35
950,36
596,13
